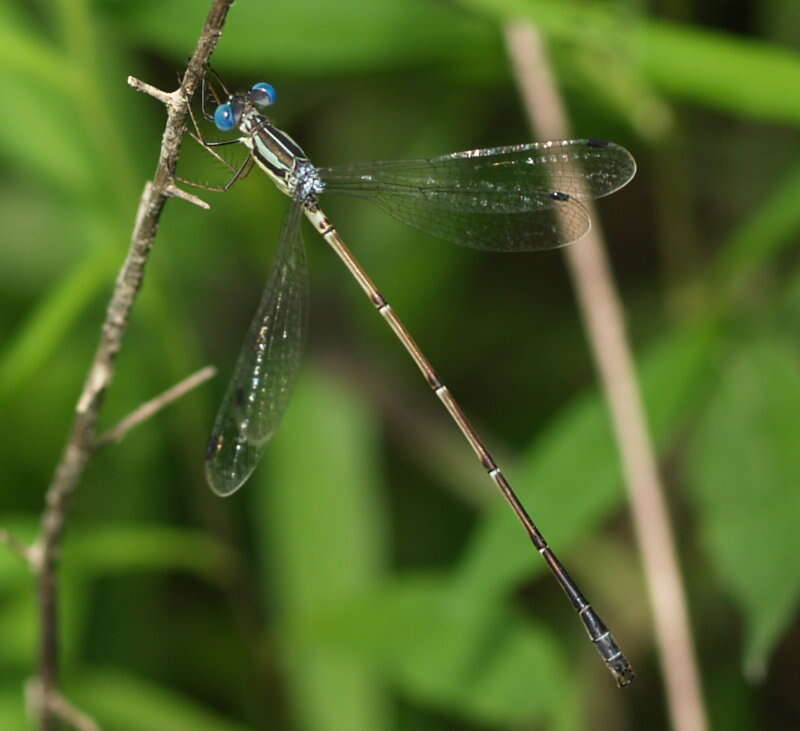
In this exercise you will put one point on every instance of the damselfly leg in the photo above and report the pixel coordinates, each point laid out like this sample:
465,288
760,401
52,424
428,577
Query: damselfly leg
216,97
242,171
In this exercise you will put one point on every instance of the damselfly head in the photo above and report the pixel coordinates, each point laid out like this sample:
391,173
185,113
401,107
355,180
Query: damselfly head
228,115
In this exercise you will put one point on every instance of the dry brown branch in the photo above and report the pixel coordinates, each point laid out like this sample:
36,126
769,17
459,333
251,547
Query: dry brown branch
59,706
82,441
173,191
28,554
604,320
150,408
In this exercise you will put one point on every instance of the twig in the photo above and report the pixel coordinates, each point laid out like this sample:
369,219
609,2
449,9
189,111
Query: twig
152,407
603,317
58,706
27,553
171,100
173,191
81,442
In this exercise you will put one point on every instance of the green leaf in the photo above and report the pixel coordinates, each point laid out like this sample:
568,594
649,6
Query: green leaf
417,633
765,233
24,52
47,146
42,246
722,71
19,630
12,708
324,537
123,702
307,36
745,471
117,548
47,326
739,75
64,110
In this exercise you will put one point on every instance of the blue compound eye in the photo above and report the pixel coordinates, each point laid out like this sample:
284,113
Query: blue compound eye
263,94
224,117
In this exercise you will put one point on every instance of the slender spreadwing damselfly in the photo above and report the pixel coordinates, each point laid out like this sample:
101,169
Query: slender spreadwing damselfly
518,198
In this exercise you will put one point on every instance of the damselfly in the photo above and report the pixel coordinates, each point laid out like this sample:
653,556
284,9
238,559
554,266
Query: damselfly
518,198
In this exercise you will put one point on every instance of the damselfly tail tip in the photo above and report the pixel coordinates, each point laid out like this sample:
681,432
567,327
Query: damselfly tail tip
615,660
622,671
608,648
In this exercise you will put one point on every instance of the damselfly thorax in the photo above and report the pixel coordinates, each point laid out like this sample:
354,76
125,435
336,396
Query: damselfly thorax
279,156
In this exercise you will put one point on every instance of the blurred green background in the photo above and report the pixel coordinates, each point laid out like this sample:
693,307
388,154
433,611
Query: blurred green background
368,578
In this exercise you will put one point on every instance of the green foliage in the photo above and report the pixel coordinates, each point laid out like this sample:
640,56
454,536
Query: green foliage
672,374
306,36
423,636
747,498
123,701
342,588
718,70
323,541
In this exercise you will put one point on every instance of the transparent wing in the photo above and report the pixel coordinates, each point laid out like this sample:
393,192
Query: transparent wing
517,198
266,370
